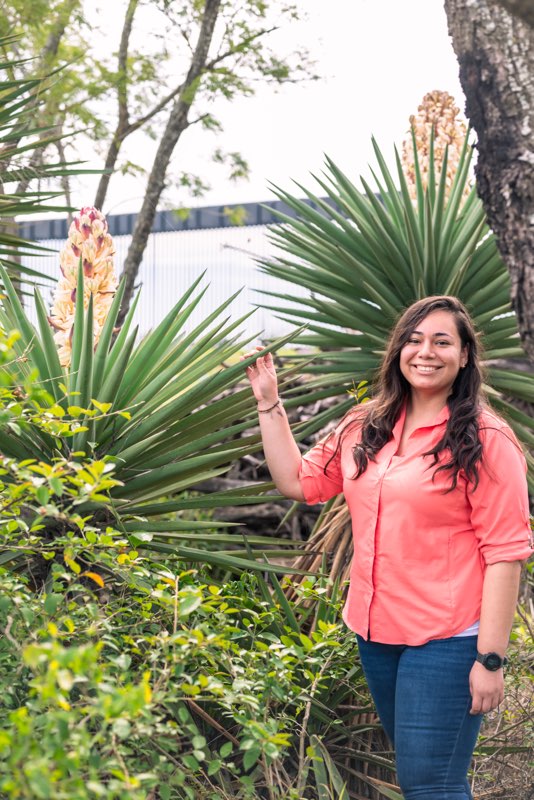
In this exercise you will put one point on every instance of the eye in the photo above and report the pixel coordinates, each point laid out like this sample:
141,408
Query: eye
413,340
442,341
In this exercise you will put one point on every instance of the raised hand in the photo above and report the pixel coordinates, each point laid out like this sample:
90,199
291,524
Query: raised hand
281,451
262,377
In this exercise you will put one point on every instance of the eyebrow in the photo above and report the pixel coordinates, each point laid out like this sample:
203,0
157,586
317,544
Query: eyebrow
438,333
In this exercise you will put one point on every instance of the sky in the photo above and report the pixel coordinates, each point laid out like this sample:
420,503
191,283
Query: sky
376,61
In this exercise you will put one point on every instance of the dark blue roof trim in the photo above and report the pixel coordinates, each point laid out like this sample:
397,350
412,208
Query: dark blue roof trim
196,219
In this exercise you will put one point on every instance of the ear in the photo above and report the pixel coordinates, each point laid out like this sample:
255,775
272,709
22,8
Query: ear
464,356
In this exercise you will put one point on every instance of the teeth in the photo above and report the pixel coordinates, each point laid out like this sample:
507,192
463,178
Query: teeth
426,369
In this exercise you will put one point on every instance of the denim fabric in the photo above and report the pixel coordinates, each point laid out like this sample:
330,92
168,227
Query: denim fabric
422,698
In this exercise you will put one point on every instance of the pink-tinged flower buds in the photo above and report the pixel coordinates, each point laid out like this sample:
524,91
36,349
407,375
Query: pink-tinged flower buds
439,114
89,240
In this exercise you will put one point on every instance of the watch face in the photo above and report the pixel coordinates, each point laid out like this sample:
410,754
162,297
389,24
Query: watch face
492,661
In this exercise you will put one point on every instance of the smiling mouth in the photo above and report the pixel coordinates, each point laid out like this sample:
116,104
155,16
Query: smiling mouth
421,368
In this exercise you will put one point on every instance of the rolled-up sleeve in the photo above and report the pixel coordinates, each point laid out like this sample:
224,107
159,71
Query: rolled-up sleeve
318,484
499,504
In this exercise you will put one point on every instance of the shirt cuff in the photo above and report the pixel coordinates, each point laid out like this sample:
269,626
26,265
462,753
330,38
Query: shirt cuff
511,551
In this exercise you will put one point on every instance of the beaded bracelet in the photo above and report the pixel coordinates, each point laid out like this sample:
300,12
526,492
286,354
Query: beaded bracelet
266,410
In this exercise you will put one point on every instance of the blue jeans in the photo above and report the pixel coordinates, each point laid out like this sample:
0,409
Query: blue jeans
423,701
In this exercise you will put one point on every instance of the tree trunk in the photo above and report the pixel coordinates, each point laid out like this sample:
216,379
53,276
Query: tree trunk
109,166
177,123
524,9
496,56
51,47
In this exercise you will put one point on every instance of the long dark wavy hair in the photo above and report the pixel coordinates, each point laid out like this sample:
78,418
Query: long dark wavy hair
460,441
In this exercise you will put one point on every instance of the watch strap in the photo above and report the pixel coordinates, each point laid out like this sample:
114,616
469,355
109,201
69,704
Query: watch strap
483,659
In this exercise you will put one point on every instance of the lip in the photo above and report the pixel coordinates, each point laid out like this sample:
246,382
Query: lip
426,368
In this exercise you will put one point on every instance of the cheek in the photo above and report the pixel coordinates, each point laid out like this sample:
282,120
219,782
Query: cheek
405,355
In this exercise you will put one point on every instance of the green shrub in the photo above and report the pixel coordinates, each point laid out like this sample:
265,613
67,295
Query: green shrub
157,680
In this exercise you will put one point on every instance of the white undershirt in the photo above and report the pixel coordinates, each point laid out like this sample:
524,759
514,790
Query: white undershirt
472,630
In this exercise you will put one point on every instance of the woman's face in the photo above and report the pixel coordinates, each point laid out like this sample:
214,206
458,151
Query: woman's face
433,355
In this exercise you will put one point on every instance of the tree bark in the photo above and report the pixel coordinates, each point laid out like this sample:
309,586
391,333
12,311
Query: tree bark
51,47
109,166
176,124
496,56
122,94
523,9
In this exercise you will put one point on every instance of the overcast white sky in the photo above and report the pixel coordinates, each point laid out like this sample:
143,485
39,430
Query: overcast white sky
377,59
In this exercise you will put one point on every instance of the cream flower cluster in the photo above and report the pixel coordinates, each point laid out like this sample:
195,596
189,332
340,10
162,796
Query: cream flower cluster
437,113
89,240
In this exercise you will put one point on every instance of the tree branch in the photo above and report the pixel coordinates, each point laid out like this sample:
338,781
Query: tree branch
243,44
122,99
51,47
177,123
157,108
122,85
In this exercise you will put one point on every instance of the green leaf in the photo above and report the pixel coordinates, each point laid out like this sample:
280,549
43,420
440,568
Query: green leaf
214,766
77,331
251,756
42,494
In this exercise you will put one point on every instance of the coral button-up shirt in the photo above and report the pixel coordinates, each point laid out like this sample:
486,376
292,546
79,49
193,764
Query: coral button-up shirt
420,554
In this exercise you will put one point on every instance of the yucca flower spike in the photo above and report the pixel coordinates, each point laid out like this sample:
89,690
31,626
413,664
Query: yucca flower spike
437,115
89,240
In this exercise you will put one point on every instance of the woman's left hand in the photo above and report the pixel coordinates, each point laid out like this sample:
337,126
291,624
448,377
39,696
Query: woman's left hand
486,687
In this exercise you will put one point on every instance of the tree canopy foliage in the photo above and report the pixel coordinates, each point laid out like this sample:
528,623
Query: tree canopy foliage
169,65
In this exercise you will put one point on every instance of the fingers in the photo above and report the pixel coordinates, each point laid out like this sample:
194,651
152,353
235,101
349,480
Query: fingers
487,689
483,703
261,362
251,353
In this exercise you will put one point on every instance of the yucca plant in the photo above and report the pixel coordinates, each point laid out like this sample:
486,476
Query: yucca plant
366,255
164,414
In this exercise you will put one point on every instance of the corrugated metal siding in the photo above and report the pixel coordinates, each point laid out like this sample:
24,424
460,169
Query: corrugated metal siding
173,260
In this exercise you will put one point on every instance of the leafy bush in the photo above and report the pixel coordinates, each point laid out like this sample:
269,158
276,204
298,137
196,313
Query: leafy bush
128,675
158,679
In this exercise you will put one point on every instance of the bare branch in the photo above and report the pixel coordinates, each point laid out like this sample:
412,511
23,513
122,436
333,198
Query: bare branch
157,108
122,99
122,86
198,119
236,48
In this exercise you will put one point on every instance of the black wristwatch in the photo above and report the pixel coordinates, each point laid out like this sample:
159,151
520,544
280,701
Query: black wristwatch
491,661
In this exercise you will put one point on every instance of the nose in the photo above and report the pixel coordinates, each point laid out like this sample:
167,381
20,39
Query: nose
426,349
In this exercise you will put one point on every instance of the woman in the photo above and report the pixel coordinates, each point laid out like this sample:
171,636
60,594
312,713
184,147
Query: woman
436,486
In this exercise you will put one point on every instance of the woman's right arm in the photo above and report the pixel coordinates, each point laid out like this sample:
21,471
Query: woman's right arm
280,448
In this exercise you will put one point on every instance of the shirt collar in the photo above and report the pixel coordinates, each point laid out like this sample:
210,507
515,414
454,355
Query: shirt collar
443,416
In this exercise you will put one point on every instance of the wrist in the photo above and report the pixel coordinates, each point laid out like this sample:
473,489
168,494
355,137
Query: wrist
491,660
264,406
